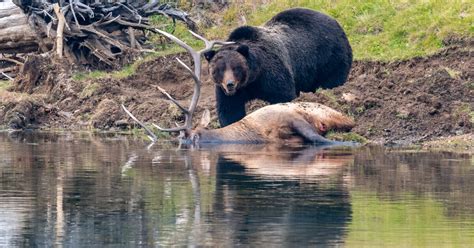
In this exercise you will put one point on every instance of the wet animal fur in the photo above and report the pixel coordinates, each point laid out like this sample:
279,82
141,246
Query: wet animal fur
299,122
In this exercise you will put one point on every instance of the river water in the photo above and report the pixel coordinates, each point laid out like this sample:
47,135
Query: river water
86,190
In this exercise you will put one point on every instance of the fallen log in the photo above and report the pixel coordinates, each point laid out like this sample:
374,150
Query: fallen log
97,33
16,36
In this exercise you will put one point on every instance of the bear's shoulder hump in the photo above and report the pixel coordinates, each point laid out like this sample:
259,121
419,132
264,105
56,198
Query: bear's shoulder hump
244,33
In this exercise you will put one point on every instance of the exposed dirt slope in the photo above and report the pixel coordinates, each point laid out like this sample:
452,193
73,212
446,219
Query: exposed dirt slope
404,102
409,101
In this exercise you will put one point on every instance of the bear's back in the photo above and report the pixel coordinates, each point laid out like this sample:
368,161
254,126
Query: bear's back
299,17
294,18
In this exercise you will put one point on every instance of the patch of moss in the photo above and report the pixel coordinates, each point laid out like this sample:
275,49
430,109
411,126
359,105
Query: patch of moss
329,94
464,109
453,73
89,90
214,124
82,76
462,143
347,136
4,84
140,132
360,110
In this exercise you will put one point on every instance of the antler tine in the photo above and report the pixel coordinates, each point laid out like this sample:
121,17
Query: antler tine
178,41
196,74
150,135
209,44
172,99
175,129
188,69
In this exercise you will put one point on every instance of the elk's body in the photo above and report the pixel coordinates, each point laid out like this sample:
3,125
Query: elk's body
283,123
279,123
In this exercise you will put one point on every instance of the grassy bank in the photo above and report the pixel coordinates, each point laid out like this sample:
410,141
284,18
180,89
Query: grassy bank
377,29
4,84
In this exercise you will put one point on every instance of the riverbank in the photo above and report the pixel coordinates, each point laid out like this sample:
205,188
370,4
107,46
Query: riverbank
401,102
411,82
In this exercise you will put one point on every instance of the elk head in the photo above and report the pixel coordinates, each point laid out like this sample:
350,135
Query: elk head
185,130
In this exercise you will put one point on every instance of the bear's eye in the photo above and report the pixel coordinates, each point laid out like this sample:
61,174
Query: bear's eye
219,66
217,73
238,71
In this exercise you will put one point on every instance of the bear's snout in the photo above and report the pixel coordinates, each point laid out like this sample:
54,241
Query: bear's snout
229,88
230,85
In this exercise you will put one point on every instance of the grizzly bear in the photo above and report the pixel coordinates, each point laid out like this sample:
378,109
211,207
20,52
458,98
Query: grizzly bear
297,50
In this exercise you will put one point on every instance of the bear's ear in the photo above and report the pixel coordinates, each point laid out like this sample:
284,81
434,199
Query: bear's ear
209,55
244,50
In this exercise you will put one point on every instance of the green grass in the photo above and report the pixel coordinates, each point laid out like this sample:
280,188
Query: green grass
180,31
377,29
81,76
89,90
464,109
4,84
125,72
349,136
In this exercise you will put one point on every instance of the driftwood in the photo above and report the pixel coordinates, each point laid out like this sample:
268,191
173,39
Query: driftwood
100,33
9,66
16,36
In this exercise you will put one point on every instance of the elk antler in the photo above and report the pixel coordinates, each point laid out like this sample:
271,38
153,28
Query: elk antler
196,74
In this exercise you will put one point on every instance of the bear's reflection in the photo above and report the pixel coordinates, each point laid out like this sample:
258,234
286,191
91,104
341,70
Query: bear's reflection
282,196
112,191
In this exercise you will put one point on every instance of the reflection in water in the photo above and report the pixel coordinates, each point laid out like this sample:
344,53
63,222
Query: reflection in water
283,197
82,189
424,197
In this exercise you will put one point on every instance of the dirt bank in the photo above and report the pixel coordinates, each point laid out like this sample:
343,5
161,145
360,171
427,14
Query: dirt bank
411,101
402,102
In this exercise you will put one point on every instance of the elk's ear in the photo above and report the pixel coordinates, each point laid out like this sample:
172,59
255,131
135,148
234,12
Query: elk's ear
209,55
206,118
244,50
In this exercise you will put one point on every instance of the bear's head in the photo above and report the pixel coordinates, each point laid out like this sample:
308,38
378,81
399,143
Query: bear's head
229,67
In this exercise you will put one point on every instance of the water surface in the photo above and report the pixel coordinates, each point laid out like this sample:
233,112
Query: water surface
87,190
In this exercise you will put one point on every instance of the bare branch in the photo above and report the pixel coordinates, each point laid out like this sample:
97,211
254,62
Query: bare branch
12,60
113,19
59,34
71,5
5,75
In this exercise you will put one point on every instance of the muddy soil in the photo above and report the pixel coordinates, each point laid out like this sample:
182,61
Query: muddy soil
411,101
401,102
